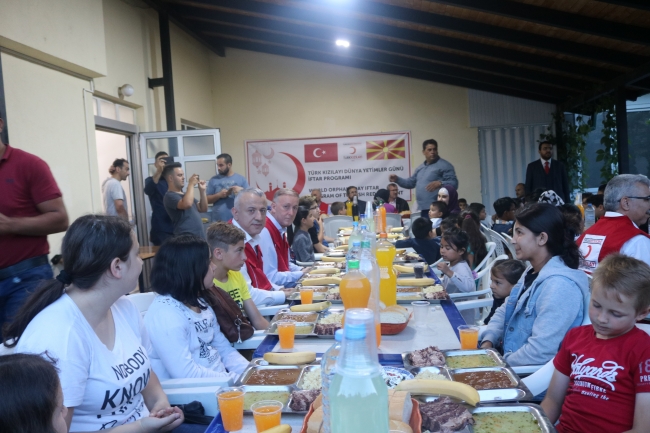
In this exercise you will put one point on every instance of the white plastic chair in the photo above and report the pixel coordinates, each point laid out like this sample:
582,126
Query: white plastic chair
394,219
509,244
142,301
333,223
491,247
493,236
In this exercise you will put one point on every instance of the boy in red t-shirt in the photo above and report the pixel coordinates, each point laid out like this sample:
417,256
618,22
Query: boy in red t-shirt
601,381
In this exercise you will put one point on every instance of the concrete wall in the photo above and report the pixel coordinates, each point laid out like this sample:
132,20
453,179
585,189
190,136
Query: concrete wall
261,96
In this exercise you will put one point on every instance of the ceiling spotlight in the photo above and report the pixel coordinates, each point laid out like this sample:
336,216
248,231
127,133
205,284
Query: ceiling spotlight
342,43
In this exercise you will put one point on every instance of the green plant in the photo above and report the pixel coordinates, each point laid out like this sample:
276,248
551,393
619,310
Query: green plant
609,153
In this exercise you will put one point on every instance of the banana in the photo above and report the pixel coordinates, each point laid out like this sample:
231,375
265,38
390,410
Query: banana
342,248
445,387
332,259
282,428
305,308
397,230
418,282
320,281
346,229
324,271
407,269
295,358
392,236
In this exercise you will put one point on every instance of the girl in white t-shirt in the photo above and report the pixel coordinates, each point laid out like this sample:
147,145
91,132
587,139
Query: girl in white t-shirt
185,335
457,275
83,320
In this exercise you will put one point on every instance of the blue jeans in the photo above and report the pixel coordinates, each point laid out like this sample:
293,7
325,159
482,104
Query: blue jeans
190,428
15,290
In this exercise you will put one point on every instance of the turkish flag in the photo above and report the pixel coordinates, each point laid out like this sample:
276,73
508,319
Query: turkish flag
327,152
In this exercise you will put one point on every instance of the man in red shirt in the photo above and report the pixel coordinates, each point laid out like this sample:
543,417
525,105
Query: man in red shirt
31,208
322,206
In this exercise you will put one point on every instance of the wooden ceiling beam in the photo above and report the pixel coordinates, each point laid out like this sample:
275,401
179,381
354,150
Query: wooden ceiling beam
635,4
354,26
556,18
382,68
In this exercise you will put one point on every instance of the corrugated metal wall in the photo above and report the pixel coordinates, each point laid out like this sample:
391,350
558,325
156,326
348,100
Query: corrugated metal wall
505,153
490,109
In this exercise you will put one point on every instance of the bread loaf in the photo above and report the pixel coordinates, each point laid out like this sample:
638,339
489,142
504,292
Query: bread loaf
400,406
399,426
395,314
315,423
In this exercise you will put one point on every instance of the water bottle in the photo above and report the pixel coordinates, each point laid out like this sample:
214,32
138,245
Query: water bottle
356,234
590,216
353,254
368,235
358,396
327,368
368,266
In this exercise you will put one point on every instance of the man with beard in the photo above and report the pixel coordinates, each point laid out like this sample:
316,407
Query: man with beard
183,209
223,188
548,173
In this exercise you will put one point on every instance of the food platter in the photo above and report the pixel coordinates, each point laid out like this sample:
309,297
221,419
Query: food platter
492,354
310,319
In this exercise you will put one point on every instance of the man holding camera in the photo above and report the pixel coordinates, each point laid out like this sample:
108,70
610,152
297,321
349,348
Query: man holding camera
156,187
183,209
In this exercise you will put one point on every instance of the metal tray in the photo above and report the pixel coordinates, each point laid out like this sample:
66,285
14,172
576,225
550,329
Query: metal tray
543,422
318,296
271,388
273,330
300,384
517,392
287,311
253,367
407,362
329,312
493,354
437,370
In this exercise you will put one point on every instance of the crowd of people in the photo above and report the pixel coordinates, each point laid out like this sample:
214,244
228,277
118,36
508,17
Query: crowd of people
85,360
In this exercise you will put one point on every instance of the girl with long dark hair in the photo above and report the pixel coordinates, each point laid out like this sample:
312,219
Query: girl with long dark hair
549,298
302,245
476,251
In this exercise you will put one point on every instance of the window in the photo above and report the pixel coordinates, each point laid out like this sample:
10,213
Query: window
111,110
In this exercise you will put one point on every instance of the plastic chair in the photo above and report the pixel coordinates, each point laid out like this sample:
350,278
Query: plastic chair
394,219
333,223
509,244
497,239
491,246
142,301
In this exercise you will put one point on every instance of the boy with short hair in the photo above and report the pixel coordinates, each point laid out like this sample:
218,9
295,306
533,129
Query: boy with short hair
505,208
338,208
596,201
228,256
462,204
424,242
601,381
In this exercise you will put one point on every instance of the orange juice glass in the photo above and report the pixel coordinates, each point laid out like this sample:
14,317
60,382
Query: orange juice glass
231,406
354,287
287,333
306,295
468,337
267,414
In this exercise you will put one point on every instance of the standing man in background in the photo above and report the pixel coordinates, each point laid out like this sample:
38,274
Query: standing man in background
156,187
400,204
183,209
223,188
547,173
31,208
324,207
428,177
114,195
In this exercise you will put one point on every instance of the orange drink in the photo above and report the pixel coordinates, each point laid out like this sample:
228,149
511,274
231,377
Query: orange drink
267,414
287,333
468,337
306,296
388,280
354,287
231,406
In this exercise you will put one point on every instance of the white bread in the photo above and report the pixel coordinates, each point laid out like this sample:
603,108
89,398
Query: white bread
394,314
400,406
315,423
399,426
318,402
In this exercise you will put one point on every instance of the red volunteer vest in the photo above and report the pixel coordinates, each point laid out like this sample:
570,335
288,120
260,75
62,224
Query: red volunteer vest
605,237
280,244
255,267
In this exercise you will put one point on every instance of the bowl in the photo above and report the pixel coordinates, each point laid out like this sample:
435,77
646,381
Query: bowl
394,328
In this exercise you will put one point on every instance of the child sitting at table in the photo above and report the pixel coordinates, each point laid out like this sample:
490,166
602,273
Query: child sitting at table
437,211
424,242
302,245
505,274
601,381
457,273
338,208
476,250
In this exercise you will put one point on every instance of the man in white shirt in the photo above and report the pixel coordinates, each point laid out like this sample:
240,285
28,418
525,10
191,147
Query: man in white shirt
627,206
249,214
275,249
114,195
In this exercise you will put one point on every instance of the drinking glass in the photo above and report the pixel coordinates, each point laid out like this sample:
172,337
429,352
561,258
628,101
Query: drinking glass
231,406
468,337
420,313
267,414
286,332
306,295
418,270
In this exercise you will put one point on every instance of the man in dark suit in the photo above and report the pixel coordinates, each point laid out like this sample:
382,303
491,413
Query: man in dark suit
400,204
548,173
351,192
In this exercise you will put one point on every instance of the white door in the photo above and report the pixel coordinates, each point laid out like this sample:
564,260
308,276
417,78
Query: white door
196,150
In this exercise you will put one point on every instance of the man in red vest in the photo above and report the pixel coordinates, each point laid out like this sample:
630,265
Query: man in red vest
249,214
627,206
275,248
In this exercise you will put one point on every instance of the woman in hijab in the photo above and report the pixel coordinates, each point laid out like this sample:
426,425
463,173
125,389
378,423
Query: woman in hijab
382,197
449,195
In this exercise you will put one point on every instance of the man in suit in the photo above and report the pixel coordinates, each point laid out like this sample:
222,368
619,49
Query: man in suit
351,192
548,173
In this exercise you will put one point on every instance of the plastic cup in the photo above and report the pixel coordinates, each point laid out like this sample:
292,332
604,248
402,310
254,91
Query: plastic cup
287,333
468,337
306,295
267,414
231,406
418,270
420,312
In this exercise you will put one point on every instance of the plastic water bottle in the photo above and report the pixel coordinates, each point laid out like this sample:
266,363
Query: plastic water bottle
358,395
590,216
356,234
327,369
370,236
353,254
368,266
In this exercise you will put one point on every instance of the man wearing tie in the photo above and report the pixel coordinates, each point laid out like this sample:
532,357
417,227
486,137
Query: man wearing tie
548,174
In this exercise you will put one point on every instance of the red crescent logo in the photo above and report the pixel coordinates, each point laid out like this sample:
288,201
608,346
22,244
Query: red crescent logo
588,251
354,150
300,182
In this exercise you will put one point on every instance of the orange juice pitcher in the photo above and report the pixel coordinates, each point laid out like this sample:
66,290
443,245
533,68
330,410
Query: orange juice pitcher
388,280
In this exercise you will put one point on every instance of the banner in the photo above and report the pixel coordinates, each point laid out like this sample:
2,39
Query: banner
330,164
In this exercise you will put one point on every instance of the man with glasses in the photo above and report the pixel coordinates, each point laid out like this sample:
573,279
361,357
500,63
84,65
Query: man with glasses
627,206
273,239
400,204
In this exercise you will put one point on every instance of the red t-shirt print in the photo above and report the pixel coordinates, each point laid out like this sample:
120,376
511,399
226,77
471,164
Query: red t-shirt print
605,376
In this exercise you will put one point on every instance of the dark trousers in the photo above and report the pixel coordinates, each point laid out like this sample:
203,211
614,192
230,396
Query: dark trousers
15,290
190,428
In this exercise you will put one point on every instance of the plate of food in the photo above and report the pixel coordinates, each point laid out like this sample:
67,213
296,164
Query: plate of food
394,319
393,376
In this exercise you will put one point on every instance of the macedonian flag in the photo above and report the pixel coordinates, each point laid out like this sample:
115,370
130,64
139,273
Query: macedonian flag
385,149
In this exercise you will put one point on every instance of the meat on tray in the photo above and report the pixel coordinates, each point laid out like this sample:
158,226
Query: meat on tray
429,356
329,329
444,416
301,400
333,297
442,294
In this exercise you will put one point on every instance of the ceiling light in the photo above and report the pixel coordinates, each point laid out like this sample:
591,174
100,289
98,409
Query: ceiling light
342,43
